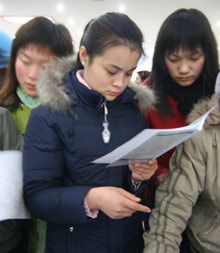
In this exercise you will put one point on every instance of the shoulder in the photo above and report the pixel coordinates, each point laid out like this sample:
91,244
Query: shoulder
204,106
52,86
144,96
4,111
5,116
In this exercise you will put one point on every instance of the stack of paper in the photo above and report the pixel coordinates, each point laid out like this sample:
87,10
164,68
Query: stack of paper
151,143
11,186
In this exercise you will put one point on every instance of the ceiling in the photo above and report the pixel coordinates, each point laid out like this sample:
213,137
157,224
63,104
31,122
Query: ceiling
75,14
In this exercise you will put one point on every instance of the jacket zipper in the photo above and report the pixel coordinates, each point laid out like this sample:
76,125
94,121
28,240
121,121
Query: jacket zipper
106,134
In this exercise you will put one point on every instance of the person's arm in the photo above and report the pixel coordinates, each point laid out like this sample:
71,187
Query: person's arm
45,193
176,196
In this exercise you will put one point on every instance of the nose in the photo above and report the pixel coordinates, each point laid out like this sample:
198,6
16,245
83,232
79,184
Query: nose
33,72
184,67
119,80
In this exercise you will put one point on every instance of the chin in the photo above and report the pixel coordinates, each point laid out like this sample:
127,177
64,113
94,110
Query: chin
31,93
110,98
185,84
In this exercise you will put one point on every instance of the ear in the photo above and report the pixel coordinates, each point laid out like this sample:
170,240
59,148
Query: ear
83,55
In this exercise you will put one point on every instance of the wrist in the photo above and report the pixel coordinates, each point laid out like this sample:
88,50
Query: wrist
92,198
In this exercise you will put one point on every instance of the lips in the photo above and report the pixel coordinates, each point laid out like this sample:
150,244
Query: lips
31,86
115,93
184,79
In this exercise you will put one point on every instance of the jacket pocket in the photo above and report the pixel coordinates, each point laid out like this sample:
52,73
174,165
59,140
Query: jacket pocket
210,225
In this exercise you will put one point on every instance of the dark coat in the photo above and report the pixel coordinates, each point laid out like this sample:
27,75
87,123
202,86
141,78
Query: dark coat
63,137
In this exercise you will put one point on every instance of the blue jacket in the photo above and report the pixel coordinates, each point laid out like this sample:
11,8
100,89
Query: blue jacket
63,137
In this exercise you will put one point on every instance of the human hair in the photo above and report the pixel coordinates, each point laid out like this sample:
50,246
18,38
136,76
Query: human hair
144,74
40,32
109,30
187,29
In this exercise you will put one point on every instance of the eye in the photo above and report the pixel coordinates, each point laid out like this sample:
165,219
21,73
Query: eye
111,73
129,74
195,57
25,62
172,59
43,66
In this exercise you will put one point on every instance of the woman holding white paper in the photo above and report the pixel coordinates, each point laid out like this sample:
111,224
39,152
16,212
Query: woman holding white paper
36,43
87,111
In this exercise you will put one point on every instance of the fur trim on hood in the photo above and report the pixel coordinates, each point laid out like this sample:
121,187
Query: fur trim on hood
50,87
144,95
52,90
203,106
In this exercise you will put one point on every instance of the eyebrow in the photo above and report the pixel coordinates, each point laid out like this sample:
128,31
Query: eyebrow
116,67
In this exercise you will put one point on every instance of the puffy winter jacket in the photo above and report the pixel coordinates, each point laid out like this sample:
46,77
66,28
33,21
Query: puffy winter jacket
63,137
189,197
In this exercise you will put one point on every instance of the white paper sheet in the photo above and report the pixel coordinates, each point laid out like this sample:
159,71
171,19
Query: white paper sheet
151,143
11,186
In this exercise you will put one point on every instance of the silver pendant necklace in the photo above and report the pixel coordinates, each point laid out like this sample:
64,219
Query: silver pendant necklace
106,134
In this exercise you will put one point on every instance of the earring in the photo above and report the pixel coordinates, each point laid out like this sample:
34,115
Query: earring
83,62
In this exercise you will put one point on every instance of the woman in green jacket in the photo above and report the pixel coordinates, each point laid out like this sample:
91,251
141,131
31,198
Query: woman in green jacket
36,44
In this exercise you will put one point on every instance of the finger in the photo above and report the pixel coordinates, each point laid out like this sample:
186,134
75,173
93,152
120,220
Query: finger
143,167
143,170
154,161
130,196
136,177
149,163
121,215
138,207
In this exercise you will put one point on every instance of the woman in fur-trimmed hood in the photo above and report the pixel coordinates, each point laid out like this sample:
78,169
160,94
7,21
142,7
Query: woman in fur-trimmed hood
87,111
189,198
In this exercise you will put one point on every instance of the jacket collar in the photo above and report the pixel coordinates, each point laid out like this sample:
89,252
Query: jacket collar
93,98
55,90
203,106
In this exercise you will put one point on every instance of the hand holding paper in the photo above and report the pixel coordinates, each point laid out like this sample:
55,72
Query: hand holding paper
143,171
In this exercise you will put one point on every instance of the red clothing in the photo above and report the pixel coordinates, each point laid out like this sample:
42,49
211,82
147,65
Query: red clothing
154,120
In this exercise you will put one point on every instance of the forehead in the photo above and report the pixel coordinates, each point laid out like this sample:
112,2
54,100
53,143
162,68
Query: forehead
184,47
123,56
35,49
185,51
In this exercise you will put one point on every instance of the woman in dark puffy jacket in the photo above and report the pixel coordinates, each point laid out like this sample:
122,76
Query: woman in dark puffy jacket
86,111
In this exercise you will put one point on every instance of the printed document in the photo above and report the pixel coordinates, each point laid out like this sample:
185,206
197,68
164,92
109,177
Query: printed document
151,143
11,186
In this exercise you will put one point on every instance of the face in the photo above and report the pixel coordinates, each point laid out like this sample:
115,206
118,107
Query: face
110,73
185,66
29,62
